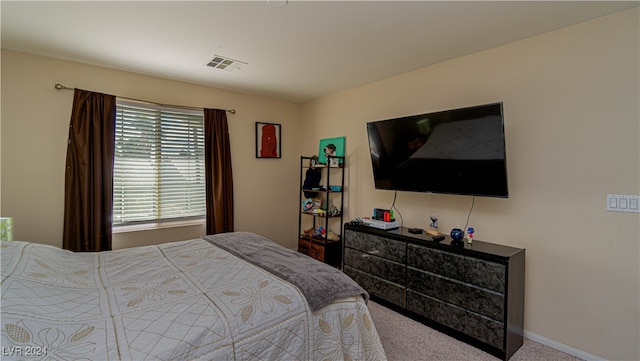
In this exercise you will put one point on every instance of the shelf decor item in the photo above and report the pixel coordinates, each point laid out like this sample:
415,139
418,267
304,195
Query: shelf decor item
331,147
433,226
312,178
456,237
457,234
268,140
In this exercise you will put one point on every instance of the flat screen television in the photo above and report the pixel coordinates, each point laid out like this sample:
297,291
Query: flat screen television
458,151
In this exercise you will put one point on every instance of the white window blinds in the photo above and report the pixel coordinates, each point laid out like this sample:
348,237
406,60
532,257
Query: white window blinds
158,165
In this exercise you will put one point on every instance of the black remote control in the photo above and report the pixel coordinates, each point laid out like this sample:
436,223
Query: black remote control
437,238
415,230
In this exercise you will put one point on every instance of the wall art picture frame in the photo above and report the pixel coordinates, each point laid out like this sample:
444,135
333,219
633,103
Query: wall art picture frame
268,140
331,146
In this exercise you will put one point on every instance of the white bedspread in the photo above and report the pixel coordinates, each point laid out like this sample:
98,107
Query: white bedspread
177,301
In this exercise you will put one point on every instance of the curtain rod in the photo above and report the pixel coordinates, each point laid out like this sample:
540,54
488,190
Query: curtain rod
59,86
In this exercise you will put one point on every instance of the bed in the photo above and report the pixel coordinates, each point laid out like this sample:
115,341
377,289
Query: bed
212,298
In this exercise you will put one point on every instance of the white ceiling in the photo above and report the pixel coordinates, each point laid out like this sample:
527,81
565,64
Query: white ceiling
295,50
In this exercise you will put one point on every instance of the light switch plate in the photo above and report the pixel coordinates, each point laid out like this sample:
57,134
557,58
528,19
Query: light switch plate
623,203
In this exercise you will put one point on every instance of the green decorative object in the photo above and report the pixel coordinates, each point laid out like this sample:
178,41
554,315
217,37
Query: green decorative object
330,146
6,229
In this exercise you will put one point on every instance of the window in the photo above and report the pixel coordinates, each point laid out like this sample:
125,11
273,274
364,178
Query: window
159,164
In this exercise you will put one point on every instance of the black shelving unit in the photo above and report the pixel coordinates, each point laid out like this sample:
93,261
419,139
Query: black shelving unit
317,245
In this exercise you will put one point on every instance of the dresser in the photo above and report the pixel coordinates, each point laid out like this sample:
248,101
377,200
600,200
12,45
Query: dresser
474,293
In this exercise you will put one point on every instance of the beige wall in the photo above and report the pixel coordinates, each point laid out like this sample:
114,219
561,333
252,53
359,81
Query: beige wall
572,126
35,121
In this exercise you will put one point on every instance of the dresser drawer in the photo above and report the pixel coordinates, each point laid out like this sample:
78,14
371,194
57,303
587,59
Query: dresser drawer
474,325
376,245
378,287
311,249
304,246
317,251
376,266
483,301
475,271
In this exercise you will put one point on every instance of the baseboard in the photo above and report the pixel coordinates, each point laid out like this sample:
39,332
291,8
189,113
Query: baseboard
562,347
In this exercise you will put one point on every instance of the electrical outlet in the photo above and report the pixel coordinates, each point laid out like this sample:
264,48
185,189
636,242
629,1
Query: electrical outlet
623,203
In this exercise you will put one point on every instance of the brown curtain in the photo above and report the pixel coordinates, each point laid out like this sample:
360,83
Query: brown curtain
88,198
219,178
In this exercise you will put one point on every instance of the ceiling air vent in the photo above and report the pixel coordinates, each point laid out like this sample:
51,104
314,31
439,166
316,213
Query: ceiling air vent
224,63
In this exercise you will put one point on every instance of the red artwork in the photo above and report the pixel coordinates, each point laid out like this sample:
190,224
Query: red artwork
269,142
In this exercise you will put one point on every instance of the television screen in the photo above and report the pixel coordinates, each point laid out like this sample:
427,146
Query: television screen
459,151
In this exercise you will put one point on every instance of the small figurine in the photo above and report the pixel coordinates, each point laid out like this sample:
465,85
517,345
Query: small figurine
470,231
333,211
433,226
456,235
434,220
319,232
307,205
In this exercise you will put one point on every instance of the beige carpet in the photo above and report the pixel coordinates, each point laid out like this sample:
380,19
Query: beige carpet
404,339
